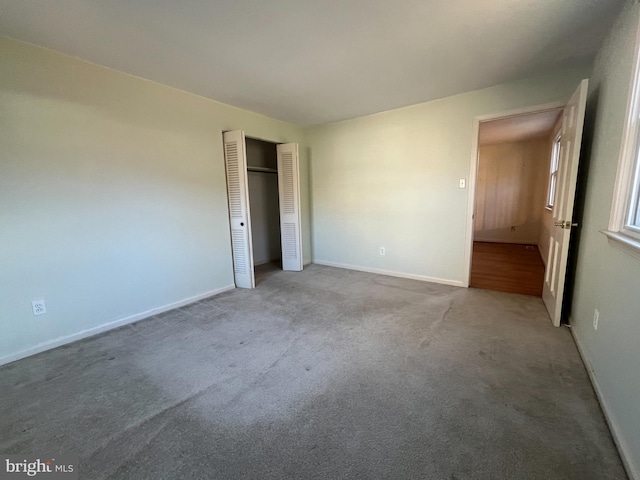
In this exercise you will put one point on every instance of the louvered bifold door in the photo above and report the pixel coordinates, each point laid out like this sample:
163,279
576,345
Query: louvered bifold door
239,215
289,191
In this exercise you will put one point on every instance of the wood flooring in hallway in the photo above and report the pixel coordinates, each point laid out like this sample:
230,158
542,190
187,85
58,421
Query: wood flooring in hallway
507,267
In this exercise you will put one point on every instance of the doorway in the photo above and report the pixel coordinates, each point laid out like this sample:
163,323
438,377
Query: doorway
262,184
511,211
561,180
264,206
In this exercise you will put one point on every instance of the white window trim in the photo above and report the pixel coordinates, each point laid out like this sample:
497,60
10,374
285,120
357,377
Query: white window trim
555,156
618,234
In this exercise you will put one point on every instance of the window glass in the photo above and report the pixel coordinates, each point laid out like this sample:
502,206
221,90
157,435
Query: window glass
553,172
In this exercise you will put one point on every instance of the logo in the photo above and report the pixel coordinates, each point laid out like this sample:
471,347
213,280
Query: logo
51,467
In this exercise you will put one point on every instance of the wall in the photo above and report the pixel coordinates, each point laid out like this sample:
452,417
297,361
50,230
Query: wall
605,277
510,192
112,196
263,200
391,180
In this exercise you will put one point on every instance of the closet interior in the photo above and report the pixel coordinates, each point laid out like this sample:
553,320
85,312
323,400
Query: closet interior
262,178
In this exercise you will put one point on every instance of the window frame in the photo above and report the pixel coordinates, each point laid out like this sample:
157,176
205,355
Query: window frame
622,231
554,167
631,223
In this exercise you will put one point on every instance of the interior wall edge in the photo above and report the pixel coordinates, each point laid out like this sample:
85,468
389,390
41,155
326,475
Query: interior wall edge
90,332
542,257
422,278
623,449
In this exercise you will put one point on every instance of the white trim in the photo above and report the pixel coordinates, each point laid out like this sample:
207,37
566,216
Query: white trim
627,244
627,160
57,342
552,181
516,112
480,238
422,278
473,169
623,449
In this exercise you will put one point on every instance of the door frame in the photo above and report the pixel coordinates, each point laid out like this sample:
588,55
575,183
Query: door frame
473,168
275,143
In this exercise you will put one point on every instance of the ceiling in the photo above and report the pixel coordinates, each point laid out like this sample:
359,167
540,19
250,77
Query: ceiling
311,62
515,129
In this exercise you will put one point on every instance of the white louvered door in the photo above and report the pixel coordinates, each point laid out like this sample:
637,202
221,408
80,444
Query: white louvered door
239,215
289,192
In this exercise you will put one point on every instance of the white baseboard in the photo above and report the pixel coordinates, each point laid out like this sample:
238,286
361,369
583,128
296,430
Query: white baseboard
56,342
512,241
623,450
444,281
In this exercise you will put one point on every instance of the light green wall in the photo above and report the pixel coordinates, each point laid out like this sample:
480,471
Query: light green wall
112,194
391,179
607,278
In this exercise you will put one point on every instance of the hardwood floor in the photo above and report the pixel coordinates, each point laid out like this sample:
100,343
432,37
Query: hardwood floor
507,267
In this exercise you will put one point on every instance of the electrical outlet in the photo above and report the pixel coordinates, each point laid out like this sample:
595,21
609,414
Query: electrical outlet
596,317
38,307
463,183
383,251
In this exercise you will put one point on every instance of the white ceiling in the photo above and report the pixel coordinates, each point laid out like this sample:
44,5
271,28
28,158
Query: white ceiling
515,129
311,61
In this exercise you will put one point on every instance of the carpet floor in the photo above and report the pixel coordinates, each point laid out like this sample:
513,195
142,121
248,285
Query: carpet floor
320,374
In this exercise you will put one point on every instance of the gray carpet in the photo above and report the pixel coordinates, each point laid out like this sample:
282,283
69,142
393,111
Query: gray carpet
326,373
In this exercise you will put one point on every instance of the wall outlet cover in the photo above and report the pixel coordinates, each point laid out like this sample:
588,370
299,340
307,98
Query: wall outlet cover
38,307
383,251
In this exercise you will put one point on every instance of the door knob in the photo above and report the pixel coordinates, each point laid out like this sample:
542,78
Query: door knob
565,224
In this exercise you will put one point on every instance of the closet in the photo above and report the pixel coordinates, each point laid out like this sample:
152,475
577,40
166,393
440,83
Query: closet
262,178
263,189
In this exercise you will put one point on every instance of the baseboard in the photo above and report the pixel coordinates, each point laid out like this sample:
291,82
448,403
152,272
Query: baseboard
444,281
623,450
511,241
57,342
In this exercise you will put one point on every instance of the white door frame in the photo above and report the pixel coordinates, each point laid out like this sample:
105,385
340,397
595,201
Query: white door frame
473,168
276,143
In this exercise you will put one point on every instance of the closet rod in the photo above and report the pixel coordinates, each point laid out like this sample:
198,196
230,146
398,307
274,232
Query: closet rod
262,170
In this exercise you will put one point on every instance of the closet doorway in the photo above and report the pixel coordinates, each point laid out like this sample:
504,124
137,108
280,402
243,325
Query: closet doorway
262,184
264,206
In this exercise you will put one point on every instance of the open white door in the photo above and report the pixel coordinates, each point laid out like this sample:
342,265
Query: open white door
571,139
239,216
289,192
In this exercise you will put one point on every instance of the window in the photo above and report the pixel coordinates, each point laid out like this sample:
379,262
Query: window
553,172
624,224
632,223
